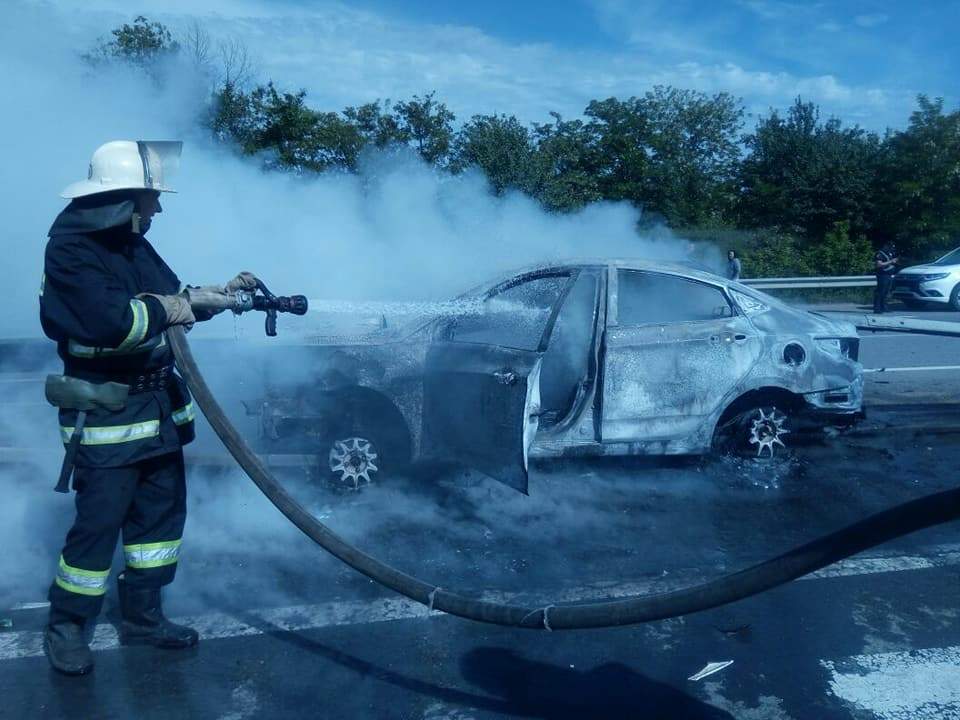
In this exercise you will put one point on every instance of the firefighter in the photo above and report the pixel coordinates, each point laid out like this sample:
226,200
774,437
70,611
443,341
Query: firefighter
106,297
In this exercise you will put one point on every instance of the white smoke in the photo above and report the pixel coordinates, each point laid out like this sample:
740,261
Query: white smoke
398,231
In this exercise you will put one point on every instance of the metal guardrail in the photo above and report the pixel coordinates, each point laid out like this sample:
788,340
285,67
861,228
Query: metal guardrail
829,281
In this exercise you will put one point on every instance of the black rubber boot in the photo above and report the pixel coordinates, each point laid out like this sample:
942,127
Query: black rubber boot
143,622
66,648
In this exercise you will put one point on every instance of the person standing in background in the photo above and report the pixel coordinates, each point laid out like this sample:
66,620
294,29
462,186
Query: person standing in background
733,266
885,264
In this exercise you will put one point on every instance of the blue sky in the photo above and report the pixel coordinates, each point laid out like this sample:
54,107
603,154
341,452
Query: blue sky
863,61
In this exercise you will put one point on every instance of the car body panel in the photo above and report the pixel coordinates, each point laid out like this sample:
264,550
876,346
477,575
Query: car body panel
663,380
480,407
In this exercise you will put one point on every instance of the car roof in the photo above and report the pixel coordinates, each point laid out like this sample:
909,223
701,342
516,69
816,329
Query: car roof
672,267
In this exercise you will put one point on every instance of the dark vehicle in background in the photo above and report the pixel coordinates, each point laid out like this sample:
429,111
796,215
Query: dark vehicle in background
574,359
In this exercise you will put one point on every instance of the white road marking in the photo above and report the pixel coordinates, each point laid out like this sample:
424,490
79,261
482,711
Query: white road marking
218,625
30,605
709,669
911,685
914,368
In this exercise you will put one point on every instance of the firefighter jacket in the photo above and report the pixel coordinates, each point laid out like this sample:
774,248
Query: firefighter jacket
94,268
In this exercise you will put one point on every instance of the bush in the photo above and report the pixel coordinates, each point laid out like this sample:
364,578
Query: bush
773,254
840,254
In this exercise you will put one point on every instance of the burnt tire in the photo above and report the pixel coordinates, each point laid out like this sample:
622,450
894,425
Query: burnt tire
760,432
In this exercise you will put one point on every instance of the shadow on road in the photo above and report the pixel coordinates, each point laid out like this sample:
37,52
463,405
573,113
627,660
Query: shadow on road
542,690
517,687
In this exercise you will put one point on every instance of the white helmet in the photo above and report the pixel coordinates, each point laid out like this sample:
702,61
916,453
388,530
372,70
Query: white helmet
129,165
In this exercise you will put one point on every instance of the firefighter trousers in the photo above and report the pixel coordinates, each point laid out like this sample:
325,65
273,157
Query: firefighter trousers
146,502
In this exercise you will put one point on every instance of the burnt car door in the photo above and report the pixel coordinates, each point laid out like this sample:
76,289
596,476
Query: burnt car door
481,385
674,349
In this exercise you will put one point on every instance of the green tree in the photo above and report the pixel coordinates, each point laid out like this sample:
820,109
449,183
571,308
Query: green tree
280,127
144,44
840,253
377,125
428,124
918,185
694,153
803,176
672,152
621,138
770,253
230,116
564,170
501,147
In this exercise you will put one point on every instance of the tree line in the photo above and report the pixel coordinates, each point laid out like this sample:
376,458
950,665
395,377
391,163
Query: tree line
796,194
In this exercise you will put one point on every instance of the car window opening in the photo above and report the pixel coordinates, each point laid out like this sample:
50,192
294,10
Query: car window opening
646,298
514,317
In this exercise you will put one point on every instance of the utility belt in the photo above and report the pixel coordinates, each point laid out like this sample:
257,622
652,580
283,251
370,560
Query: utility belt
73,393
159,379
152,381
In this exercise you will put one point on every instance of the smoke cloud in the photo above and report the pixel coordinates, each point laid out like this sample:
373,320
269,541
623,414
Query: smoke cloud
397,231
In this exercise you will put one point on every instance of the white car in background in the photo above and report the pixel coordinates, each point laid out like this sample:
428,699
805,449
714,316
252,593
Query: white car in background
936,282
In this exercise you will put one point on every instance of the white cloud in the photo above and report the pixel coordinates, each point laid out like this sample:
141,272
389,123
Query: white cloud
345,56
775,9
872,20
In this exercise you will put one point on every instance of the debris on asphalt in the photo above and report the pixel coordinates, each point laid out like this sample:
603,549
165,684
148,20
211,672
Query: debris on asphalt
709,669
738,630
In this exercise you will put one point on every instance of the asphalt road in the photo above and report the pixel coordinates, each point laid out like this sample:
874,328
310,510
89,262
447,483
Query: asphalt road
290,633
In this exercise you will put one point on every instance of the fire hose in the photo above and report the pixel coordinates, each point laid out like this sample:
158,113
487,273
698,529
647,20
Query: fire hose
874,530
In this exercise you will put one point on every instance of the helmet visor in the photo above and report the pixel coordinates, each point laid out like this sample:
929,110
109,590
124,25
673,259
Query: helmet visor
161,159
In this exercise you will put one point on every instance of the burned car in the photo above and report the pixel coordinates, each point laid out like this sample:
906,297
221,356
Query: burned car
573,359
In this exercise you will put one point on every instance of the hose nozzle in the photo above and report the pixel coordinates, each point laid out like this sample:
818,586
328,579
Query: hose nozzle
294,304
242,301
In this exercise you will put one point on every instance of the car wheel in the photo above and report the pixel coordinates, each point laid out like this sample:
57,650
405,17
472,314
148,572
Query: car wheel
955,298
760,432
363,455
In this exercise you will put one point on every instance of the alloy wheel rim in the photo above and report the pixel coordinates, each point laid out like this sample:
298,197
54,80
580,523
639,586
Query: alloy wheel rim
354,459
767,431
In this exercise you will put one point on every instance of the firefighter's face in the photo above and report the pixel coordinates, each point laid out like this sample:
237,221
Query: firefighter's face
148,205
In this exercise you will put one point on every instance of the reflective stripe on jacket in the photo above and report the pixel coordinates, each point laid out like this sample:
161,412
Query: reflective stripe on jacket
112,434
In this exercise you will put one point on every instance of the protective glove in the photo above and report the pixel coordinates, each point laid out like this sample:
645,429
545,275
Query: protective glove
177,308
244,281
209,300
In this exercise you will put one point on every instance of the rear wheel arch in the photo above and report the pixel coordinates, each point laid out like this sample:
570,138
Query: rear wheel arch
767,395
783,402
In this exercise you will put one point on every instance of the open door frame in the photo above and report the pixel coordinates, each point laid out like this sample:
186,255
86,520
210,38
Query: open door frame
482,400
